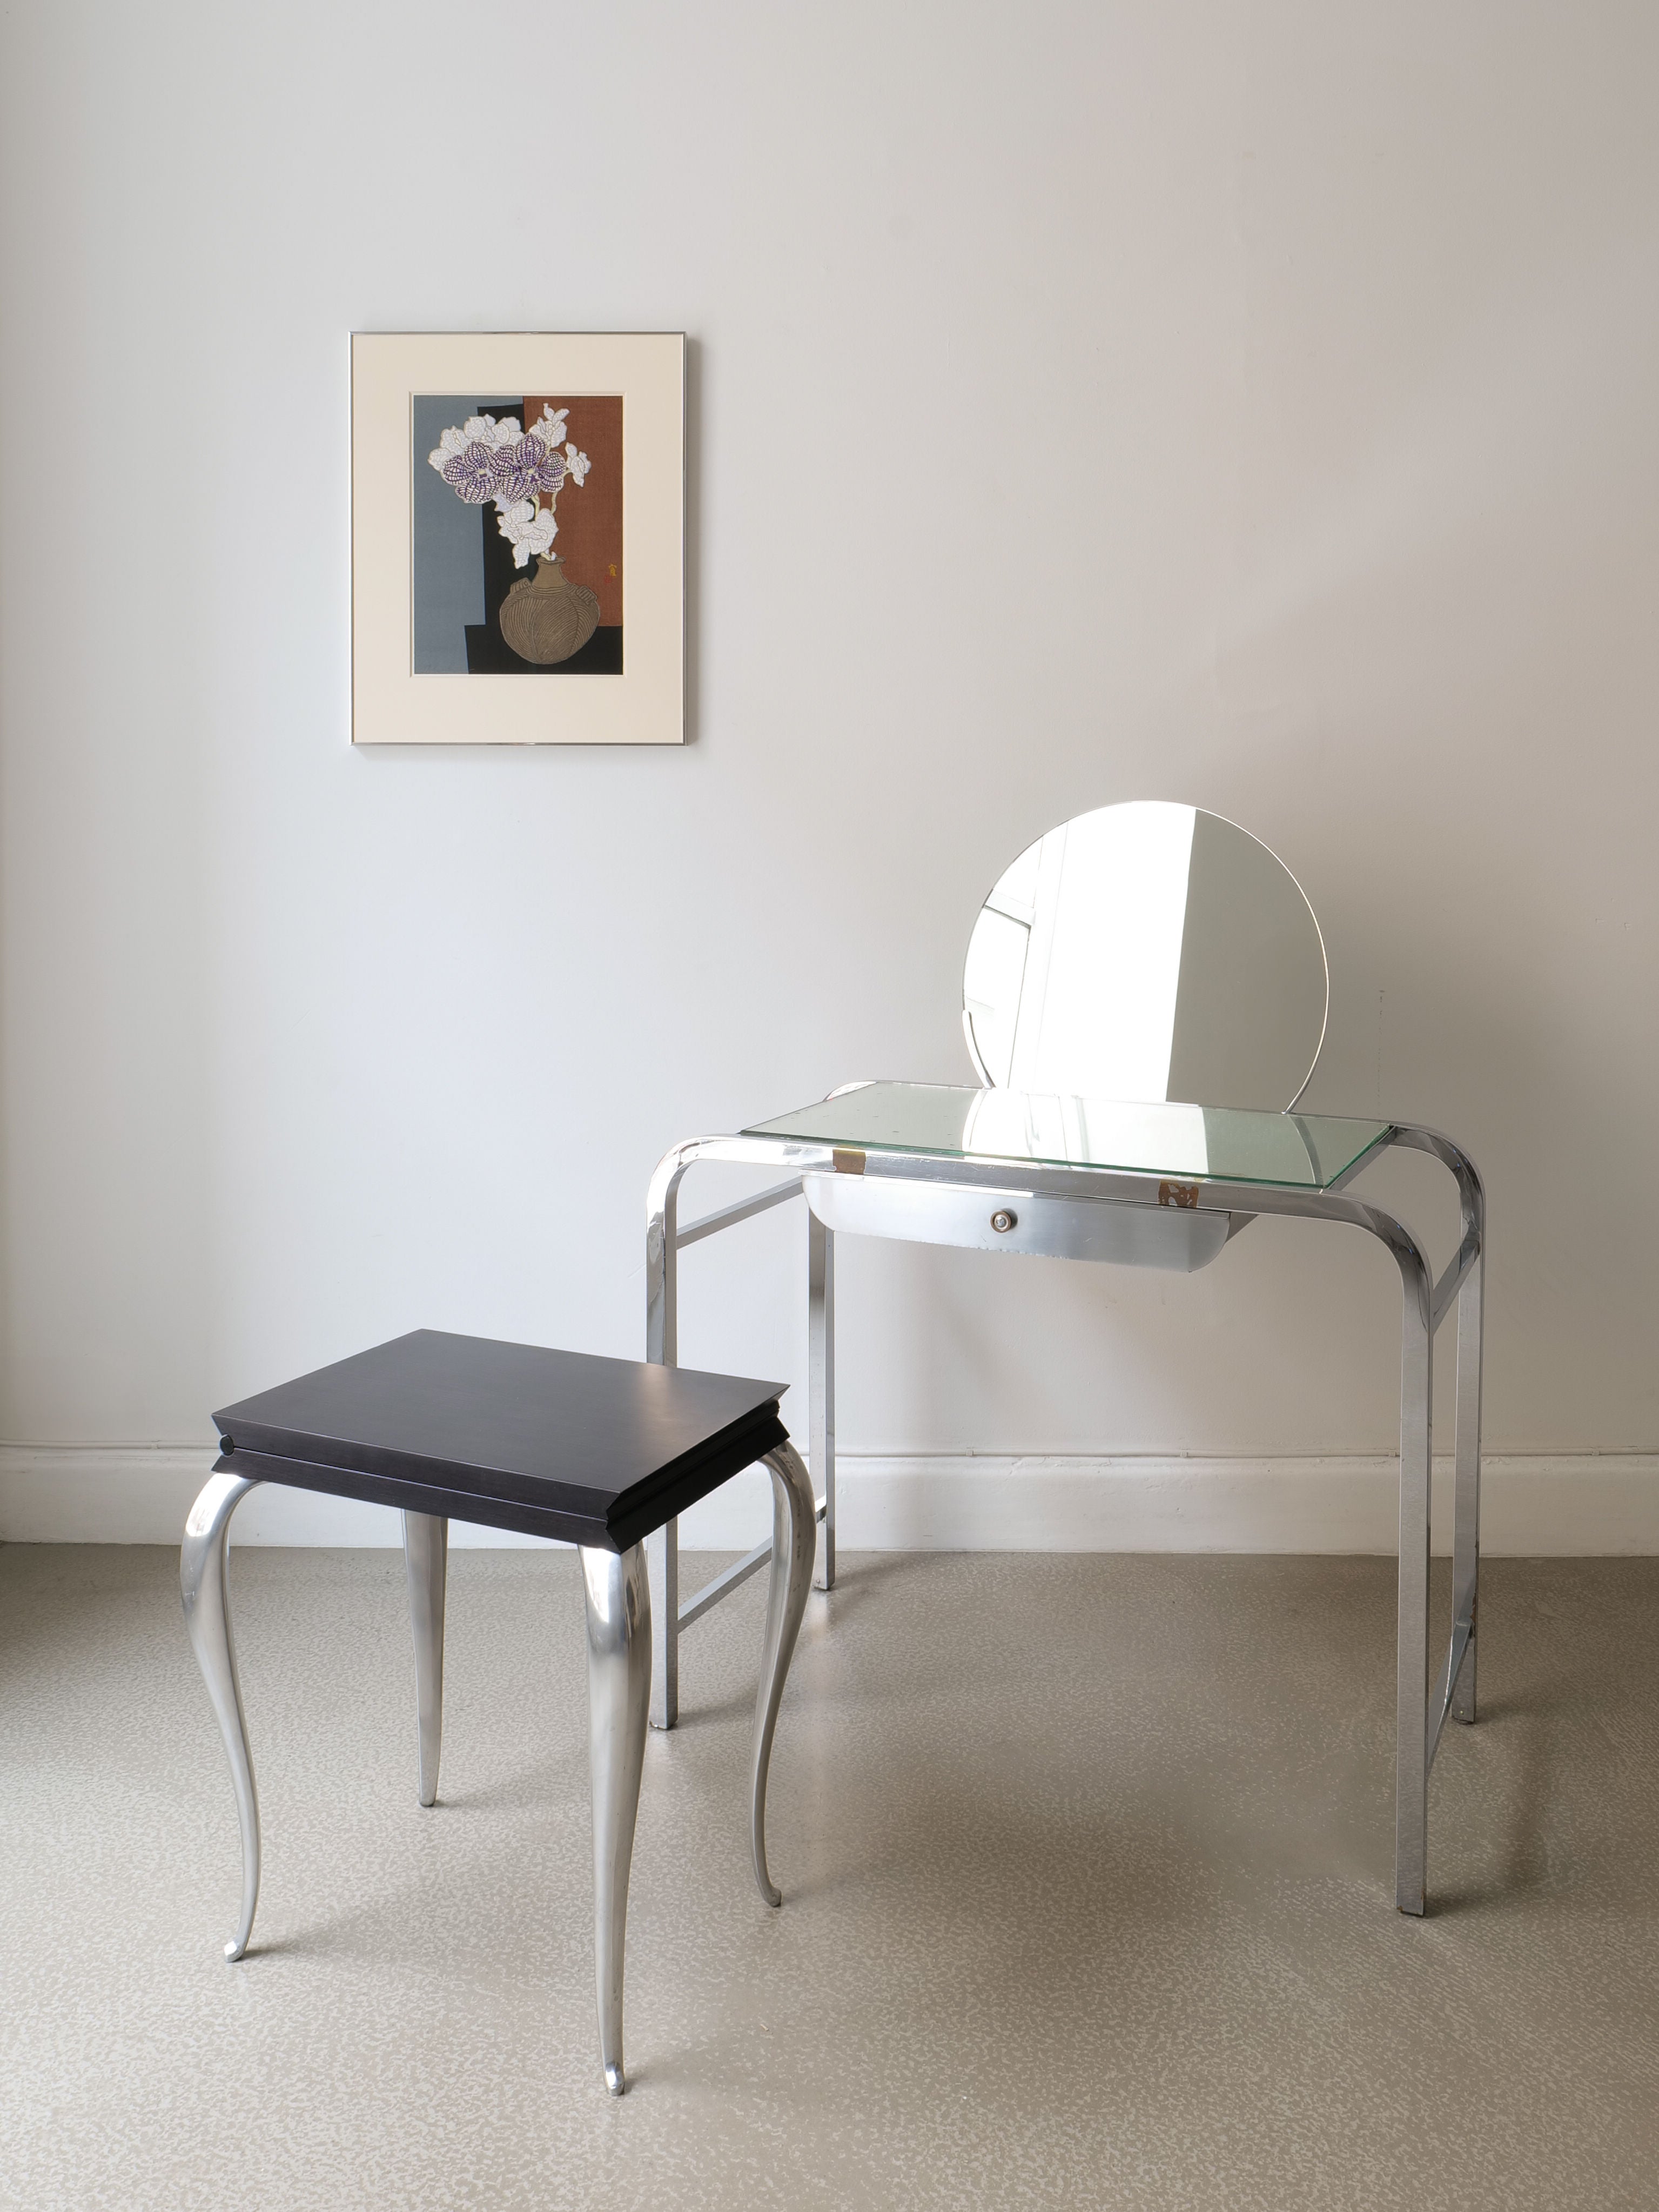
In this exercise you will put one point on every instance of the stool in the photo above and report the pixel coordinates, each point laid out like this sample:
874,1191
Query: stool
598,1453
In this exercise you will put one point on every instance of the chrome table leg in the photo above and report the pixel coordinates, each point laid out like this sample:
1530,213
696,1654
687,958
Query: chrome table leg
662,1344
1412,1715
821,1382
794,1533
662,1551
1465,1534
618,1689
425,1558
1426,1303
207,1618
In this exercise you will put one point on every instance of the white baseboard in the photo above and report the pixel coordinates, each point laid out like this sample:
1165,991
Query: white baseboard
1533,1505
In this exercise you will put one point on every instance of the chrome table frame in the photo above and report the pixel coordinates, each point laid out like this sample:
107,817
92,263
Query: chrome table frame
1423,1704
617,1597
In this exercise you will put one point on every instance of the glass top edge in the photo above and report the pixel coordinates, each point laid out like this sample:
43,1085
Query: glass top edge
969,1091
851,1121
1234,1178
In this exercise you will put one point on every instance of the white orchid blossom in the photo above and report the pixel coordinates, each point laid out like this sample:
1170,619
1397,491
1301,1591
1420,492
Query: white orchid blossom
551,429
577,464
528,530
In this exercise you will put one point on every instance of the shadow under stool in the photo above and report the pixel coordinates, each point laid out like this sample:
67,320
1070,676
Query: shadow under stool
597,1453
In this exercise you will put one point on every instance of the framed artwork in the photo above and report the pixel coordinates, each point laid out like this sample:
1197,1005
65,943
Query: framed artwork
518,540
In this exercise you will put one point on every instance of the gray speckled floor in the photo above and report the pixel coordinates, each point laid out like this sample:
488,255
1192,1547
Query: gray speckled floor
1086,1875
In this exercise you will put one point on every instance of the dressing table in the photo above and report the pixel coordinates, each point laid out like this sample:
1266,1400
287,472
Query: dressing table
1146,989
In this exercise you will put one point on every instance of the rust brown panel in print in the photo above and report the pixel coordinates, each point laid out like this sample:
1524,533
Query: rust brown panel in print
590,539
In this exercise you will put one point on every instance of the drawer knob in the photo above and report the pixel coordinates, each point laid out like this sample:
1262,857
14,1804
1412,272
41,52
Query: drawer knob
1002,1221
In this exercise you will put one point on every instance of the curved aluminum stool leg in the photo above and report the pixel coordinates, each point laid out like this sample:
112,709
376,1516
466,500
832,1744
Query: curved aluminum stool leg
618,1596
426,1559
794,1545
207,1617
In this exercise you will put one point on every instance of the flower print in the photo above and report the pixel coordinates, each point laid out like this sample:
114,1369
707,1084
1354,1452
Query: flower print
467,458
474,472
516,472
485,458
528,530
485,430
525,469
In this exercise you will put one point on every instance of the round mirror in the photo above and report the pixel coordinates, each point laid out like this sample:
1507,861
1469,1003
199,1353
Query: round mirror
1147,951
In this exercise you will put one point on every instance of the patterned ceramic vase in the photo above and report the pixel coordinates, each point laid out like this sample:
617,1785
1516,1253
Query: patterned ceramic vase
545,619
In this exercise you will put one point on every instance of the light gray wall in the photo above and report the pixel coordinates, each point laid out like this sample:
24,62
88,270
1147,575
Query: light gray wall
1247,405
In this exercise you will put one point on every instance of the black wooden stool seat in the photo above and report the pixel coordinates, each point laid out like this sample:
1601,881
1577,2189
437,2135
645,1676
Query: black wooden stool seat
513,1435
598,1453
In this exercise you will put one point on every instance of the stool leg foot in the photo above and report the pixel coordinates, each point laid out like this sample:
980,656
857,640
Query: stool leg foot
207,1618
794,1541
618,1595
426,1560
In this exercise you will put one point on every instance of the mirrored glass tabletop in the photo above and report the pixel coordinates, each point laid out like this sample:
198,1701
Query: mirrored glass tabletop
1222,1144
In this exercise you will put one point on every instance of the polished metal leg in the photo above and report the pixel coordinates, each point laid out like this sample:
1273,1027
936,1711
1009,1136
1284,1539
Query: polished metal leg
426,1559
618,1690
1412,1715
821,1383
662,1346
794,1527
1465,1530
662,1551
207,1617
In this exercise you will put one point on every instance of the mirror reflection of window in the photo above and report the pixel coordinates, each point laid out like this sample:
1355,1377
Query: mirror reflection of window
1067,1127
1150,951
